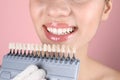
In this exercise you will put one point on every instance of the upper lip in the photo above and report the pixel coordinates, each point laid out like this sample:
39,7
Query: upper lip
59,24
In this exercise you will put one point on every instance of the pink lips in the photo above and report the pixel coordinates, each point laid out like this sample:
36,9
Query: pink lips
58,38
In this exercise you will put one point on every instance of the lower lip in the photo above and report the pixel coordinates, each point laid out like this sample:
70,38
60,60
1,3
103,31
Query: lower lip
58,38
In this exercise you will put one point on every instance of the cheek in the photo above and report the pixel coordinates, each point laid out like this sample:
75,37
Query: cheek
93,20
37,18
37,12
90,15
88,19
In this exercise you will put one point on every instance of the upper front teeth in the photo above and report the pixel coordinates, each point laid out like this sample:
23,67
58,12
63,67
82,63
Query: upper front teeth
60,31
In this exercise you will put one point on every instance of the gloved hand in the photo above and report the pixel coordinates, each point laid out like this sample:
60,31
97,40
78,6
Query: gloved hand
31,73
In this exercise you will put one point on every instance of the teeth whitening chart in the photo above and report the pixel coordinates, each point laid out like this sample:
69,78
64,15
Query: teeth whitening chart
51,58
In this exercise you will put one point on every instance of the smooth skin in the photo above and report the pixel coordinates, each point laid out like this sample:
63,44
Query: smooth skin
87,16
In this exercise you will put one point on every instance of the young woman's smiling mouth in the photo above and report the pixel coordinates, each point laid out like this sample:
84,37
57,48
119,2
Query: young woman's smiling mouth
59,32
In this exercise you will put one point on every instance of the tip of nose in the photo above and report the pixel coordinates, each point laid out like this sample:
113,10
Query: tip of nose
57,11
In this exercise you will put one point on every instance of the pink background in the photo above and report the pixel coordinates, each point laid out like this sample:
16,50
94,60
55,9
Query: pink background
16,26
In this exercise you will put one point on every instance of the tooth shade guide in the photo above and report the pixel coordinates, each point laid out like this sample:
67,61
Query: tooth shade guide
61,68
47,50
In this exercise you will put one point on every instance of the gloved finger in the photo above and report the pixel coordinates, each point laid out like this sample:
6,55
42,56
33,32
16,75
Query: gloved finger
37,75
29,70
